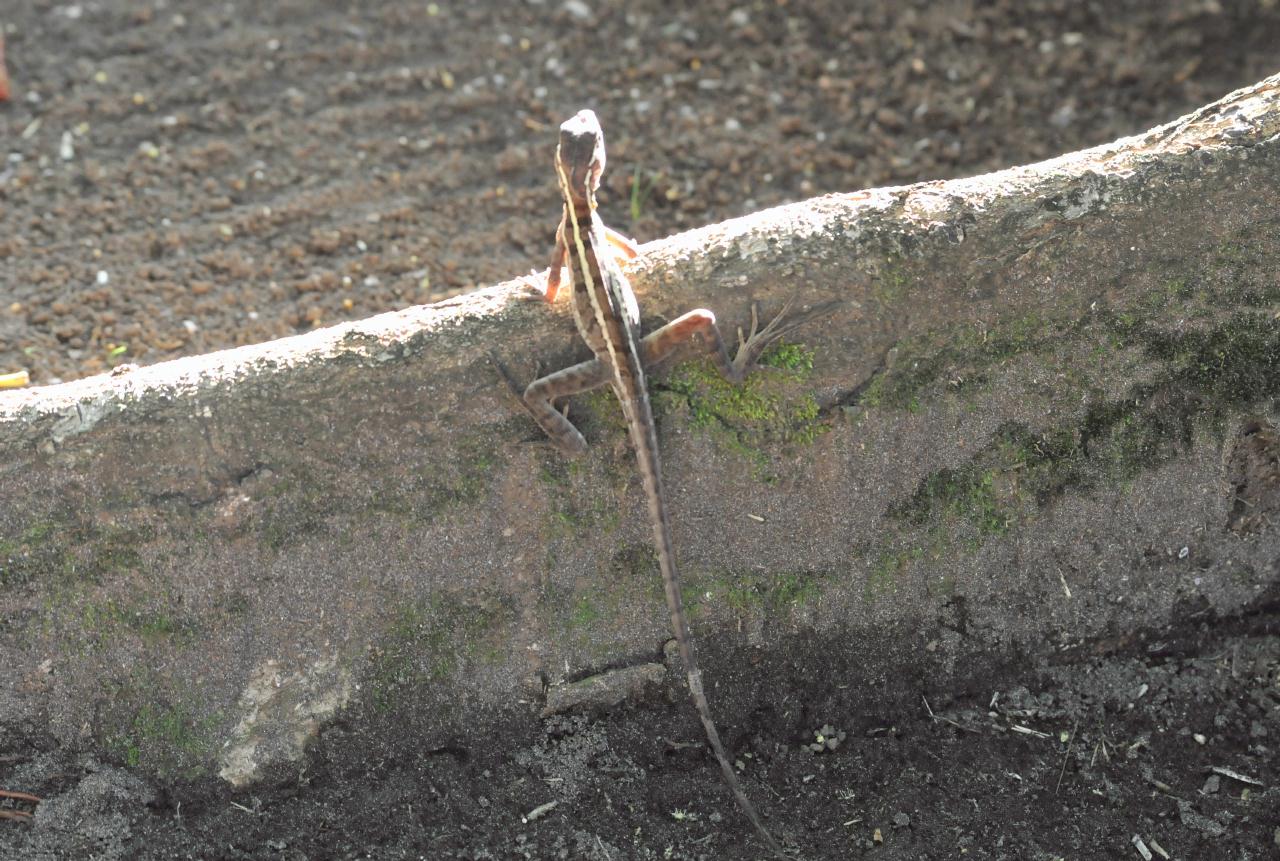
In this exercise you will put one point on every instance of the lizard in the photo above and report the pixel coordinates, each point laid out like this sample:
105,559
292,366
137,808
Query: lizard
608,319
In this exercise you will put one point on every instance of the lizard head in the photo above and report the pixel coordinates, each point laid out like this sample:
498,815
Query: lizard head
580,158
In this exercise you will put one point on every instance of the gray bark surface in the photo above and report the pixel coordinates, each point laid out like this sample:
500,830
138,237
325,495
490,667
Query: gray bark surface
1042,419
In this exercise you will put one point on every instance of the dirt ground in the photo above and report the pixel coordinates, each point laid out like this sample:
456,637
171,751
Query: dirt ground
181,177
1167,739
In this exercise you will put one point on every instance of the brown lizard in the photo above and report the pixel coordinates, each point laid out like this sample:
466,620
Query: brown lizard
609,321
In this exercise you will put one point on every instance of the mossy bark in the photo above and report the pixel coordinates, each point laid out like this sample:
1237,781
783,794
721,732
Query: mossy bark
1043,414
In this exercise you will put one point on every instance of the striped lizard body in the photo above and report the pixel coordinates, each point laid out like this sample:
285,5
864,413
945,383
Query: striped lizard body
608,319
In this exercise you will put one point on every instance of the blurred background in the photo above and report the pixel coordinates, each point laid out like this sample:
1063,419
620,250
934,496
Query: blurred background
180,177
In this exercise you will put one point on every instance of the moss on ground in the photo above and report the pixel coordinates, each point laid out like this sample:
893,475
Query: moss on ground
301,497
1201,375
65,550
773,593
962,358
149,726
771,408
428,642
1202,346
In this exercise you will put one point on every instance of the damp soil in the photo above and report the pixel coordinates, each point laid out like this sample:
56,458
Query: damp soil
181,177
1165,738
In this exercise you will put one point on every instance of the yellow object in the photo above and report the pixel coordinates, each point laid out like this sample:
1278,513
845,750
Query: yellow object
16,380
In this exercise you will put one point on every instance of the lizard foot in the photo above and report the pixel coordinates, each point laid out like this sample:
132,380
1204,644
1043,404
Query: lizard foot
784,322
532,287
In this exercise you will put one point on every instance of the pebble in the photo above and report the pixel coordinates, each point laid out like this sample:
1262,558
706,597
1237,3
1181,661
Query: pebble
577,9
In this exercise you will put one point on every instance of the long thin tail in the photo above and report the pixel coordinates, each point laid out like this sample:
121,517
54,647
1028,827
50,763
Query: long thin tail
651,474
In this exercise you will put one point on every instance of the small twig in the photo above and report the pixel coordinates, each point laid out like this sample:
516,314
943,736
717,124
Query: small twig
1161,786
947,720
540,811
1235,775
1066,756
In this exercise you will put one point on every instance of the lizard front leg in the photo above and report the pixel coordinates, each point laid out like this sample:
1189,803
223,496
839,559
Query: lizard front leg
620,243
539,397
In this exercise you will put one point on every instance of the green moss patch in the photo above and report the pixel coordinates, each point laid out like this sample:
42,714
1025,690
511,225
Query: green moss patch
962,358
301,497
65,551
430,640
150,727
771,408
775,594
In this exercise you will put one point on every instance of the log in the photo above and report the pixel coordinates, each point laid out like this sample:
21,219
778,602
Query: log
1042,420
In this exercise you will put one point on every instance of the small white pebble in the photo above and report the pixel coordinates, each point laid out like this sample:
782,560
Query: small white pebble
1184,552
252,315
577,9
361,245
1199,737
372,281
190,326
103,278
66,149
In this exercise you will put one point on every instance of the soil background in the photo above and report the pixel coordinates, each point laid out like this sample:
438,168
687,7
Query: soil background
181,177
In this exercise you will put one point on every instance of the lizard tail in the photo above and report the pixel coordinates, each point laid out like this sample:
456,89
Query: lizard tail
726,767
646,444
